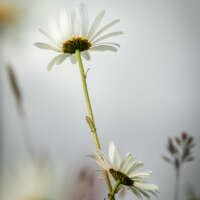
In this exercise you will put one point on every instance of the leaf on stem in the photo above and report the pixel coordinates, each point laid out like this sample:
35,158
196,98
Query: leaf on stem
90,123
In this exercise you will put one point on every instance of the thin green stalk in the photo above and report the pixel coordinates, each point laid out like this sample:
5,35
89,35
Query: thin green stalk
177,184
91,117
112,194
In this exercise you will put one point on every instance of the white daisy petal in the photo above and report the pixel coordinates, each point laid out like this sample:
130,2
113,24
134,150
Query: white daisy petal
142,175
124,160
46,46
137,194
134,167
104,28
146,186
107,163
154,193
62,58
99,161
110,43
76,23
117,158
73,59
53,27
48,36
86,55
84,19
103,162
127,163
107,36
113,154
65,25
103,48
133,163
111,151
145,194
95,24
53,61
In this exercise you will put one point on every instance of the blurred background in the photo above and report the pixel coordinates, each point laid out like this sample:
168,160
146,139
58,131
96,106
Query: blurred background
141,95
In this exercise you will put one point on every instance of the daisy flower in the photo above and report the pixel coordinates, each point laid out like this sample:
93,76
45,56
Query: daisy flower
74,33
124,170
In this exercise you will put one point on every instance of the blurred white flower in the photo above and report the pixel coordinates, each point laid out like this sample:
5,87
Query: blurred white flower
34,181
124,170
73,33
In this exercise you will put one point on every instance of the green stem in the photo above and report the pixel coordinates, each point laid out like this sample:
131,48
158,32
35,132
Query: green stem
89,108
177,184
112,194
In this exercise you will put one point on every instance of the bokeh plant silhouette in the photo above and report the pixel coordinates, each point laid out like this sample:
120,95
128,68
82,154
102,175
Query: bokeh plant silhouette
180,151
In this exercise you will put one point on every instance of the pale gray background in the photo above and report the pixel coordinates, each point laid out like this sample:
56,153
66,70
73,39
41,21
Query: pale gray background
142,94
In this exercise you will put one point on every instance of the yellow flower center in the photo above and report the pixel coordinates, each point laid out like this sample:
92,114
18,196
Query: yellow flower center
123,178
76,43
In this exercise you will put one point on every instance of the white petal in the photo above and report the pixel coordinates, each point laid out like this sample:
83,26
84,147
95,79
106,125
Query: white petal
76,23
138,195
127,163
63,22
65,25
108,36
144,193
146,186
114,155
103,29
84,19
136,165
154,193
107,164
86,55
109,43
103,48
46,46
111,151
48,36
73,59
98,159
62,58
53,61
142,175
95,24
102,161
53,27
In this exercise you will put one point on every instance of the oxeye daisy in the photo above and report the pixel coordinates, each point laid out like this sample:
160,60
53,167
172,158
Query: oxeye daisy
124,172
73,33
